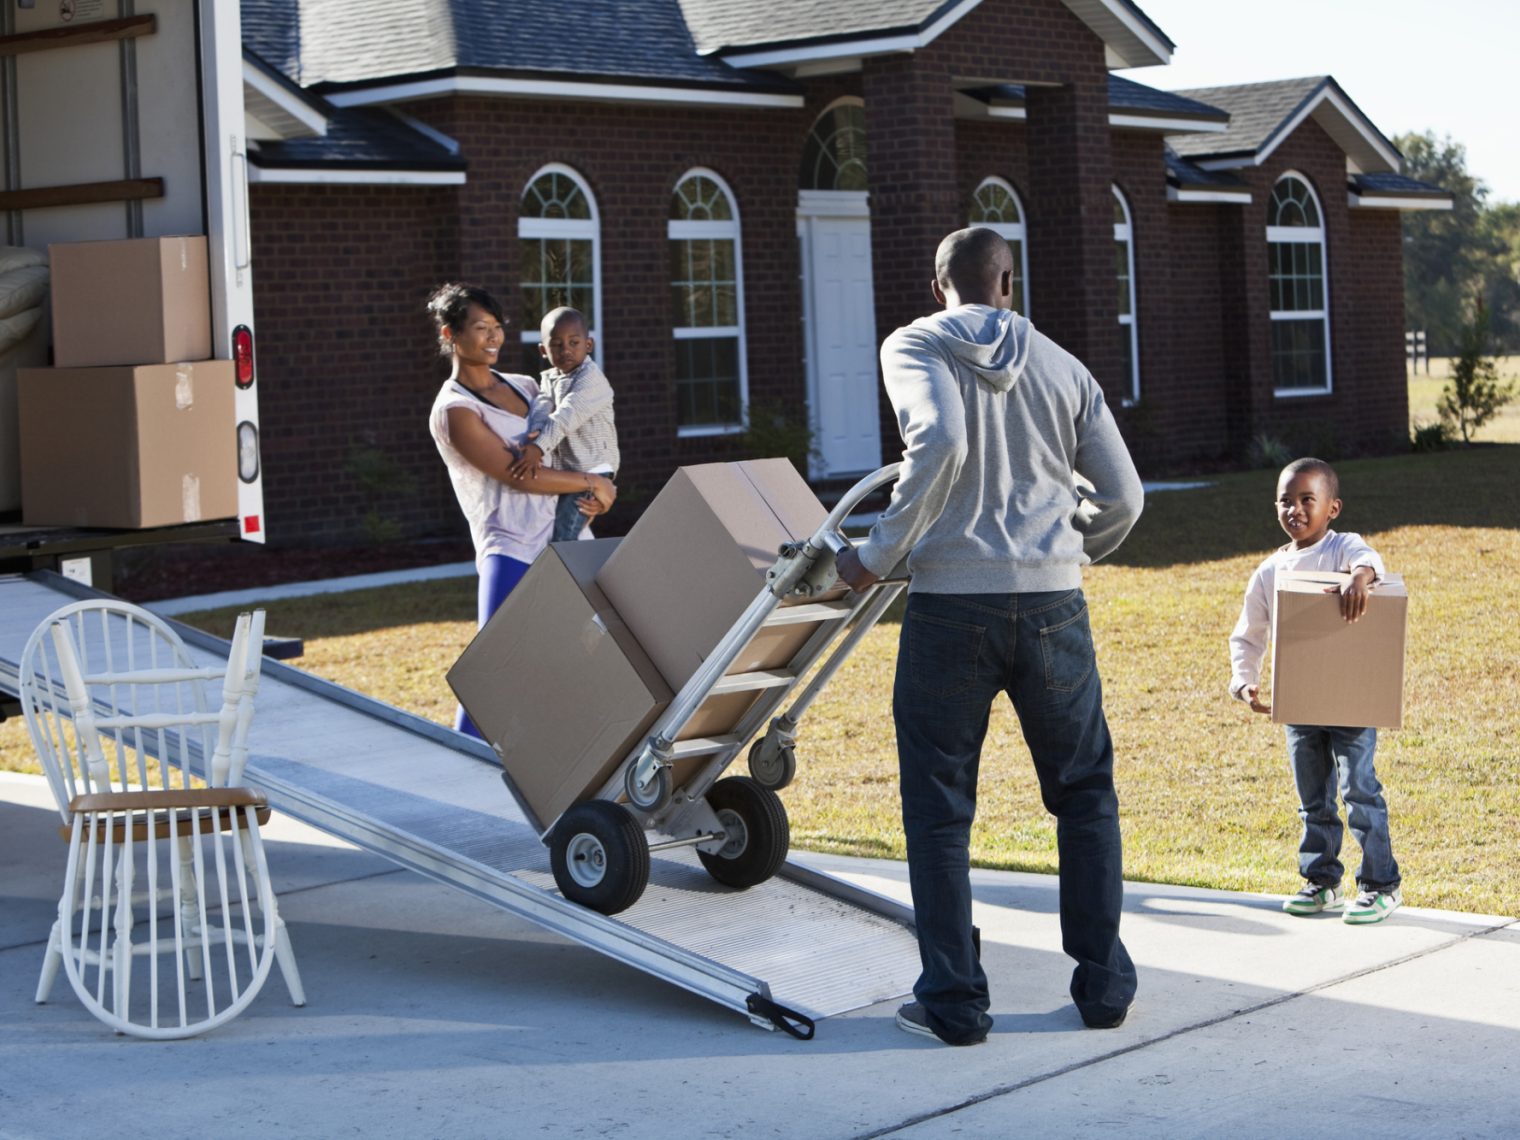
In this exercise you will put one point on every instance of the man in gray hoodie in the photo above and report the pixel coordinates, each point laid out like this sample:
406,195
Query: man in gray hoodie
1014,477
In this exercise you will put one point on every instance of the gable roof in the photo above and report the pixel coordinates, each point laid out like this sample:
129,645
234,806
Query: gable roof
778,33
1262,115
354,44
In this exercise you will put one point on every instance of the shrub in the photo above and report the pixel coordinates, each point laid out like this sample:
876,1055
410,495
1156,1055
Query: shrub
1475,393
1269,452
777,430
1433,436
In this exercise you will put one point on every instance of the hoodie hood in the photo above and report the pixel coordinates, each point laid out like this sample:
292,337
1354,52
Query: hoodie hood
993,343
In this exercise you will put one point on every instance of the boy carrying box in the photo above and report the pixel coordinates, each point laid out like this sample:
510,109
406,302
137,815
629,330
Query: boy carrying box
1324,758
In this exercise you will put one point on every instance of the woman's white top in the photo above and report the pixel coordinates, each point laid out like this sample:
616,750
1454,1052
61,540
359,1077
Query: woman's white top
502,521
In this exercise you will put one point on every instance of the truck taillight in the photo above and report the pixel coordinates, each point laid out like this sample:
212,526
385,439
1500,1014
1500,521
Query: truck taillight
242,355
247,452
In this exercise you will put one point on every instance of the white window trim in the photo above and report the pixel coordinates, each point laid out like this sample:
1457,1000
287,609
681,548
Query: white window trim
685,230
533,229
1306,235
1125,232
1011,231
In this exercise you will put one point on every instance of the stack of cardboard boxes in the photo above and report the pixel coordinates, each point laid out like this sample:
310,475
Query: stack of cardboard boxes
134,425
569,676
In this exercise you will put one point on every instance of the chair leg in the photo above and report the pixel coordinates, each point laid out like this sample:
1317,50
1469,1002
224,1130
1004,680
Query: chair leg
121,944
285,955
51,961
189,907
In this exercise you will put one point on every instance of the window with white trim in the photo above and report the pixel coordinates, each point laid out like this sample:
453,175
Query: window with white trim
834,156
996,205
707,303
560,237
1298,291
1124,264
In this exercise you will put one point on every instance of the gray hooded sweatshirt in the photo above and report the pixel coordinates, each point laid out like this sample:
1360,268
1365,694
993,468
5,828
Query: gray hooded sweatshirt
1014,474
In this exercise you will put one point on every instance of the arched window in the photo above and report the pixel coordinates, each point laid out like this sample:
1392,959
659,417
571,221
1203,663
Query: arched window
1299,294
1124,262
996,206
834,157
560,236
707,302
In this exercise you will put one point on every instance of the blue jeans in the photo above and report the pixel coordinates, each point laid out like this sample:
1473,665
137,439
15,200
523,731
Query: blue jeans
957,653
499,575
1327,760
568,520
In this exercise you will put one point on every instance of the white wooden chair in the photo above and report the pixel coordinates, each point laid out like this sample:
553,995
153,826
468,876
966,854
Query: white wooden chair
167,925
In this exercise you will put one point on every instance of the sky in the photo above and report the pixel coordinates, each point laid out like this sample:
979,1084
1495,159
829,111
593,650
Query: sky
1446,66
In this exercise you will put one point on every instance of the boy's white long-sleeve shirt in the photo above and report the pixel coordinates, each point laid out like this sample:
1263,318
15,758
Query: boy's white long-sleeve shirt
573,416
1342,553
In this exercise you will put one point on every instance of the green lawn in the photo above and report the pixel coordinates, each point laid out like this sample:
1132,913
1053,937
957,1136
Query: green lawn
1425,391
1206,795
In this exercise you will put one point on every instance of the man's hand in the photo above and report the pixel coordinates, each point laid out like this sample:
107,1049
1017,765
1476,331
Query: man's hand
1252,697
599,499
852,572
528,459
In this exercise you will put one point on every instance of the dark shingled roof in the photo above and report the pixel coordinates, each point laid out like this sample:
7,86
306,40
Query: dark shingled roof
1123,95
359,138
1183,174
747,25
365,42
1256,112
1396,185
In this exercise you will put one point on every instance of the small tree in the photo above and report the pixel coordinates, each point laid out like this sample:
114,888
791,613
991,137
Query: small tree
1475,393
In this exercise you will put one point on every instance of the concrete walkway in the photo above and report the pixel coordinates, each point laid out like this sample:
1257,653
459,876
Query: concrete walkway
434,1015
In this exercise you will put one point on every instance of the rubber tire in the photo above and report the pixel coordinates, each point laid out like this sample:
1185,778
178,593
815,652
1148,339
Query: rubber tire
775,776
625,869
661,797
768,835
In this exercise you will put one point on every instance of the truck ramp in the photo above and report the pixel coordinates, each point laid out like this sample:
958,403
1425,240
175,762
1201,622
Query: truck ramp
799,947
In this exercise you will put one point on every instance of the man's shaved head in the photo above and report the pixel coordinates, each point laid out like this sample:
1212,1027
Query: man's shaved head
970,261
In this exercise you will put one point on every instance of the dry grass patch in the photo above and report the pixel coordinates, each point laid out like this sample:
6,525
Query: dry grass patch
1206,795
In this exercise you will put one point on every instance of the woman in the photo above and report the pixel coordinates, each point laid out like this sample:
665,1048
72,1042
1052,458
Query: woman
478,422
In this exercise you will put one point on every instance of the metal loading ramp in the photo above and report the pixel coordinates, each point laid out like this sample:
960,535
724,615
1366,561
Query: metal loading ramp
432,801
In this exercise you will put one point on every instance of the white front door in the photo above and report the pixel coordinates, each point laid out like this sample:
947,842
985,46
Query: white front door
841,337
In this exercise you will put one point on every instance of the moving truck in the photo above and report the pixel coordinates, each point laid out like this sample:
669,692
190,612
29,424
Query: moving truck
125,119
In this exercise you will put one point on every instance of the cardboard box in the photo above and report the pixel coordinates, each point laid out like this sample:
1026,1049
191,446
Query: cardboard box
1328,671
128,447
697,558
140,301
560,688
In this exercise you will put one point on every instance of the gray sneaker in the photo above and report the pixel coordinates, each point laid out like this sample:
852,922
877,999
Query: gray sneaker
1313,898
1373,905
911,1018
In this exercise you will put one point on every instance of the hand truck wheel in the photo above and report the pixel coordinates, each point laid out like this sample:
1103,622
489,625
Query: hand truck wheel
599,856
754,819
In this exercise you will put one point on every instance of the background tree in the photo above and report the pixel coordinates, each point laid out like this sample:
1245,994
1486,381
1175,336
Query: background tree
1452,257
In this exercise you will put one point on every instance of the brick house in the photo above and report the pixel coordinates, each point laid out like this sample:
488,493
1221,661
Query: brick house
746,197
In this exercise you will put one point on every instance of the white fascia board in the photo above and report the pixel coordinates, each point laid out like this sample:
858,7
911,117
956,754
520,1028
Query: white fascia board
1230,197
1161,123
1379,202
297,108
1118,11
338,177
866,45
559,89
448,142
1021,114
1238,163
1362,129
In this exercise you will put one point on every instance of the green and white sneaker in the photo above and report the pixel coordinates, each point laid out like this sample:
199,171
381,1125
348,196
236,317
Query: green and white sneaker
1373,906
1313,898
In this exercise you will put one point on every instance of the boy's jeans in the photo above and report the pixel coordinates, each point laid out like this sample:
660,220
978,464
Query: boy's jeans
957,653
1326,760
568,520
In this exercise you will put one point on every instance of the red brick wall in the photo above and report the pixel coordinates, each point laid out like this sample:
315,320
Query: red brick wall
346,362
